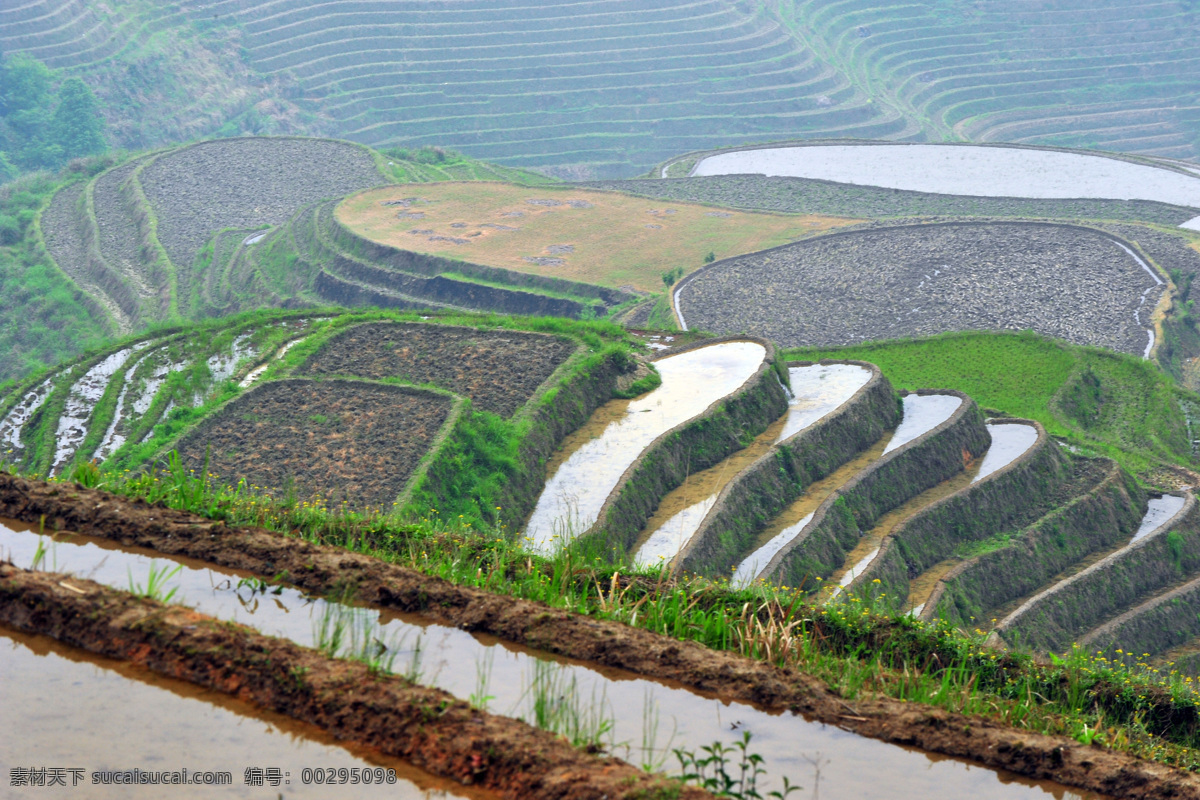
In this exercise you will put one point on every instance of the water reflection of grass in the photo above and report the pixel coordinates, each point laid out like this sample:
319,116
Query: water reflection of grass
1115,405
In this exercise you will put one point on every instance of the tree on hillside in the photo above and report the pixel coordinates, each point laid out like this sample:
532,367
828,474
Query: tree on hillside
77,126
42,126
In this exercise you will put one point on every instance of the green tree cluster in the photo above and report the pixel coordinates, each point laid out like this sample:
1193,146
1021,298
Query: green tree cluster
45,120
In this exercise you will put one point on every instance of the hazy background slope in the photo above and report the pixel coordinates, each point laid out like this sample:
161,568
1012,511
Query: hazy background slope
606,88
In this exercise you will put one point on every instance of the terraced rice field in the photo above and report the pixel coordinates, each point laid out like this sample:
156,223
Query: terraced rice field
601,238
1109,75
594,88
345,441
1069,283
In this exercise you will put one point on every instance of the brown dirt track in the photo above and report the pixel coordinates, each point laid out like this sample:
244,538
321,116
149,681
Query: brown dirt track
499,370
425,726
349,440
319,569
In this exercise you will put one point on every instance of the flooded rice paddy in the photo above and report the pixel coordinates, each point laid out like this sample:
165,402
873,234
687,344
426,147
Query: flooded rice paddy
592,460
81,399
79,710
922,413
647,718
965,170
1160,510
816,390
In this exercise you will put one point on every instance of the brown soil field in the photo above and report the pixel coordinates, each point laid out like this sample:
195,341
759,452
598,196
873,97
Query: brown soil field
604,238
320,569
499,370
342,440
427,727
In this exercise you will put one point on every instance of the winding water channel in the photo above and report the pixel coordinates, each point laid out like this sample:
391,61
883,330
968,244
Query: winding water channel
649,718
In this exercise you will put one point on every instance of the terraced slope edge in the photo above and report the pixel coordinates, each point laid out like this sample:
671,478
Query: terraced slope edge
1063,613
971,514
764,489
897,477
715,433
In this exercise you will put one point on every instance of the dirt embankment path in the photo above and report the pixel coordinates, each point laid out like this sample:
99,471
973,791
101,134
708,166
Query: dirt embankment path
320,569
425,726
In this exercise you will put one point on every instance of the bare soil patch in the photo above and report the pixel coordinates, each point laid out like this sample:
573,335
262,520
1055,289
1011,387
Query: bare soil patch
916,280
343,440
320,569
425,726
610,243
499,370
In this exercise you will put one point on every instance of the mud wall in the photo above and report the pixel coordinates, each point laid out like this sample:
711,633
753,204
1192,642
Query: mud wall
422,264
711,436
1000,501
764,489
897,477
1059,616
1103,517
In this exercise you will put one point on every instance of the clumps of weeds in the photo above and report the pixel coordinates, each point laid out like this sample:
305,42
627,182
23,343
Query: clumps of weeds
557,707
353,633
155,587
729,770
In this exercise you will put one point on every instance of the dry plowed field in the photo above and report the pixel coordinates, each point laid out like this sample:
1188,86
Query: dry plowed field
498,370
339,439
602,238
245,183
1065,282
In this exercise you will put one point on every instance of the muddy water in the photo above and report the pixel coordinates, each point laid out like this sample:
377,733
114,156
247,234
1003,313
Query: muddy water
966,170
223,365
816,391
591,461
648,718
78,710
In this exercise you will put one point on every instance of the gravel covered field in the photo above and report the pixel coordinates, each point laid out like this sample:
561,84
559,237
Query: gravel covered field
499,370
244,183
118,235
348,440
810,196
60,228
919,280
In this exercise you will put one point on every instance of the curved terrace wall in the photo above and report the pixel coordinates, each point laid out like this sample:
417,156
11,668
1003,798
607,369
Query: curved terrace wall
709,437
765,488
416,263
971,514
1059,616
894,479
1163,622
1104,516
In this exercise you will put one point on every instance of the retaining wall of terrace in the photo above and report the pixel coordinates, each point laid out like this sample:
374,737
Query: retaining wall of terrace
893,480
1160,623
421,264
768,486
1054,619
971,514
1102,517
708,438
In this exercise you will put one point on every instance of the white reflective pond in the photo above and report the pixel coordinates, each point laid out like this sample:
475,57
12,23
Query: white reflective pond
965,170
